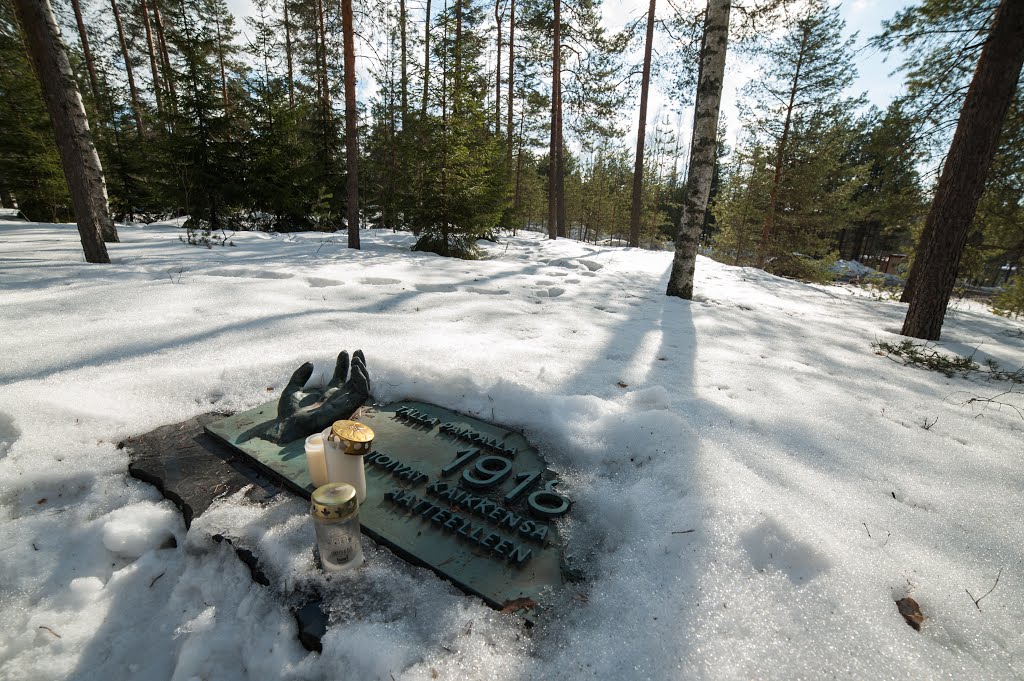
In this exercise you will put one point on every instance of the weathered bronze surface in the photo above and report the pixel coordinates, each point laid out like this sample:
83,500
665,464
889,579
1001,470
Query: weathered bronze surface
302,411
470,500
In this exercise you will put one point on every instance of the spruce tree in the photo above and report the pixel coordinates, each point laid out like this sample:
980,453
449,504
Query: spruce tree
463,194
805,75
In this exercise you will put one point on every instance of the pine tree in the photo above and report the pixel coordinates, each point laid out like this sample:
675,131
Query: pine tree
206,163
961,184
78,155
887,203
462,195
941,41
806,74
638,171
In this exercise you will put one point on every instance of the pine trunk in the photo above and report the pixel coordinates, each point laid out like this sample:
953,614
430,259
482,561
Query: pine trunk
704,148
152,55
426,60
90,65
405,69
351,140
75,146
136,109
288,56
497,70
511,69
325,89
165,56
963,175
457,80
553,153
638,168
223,72
773,196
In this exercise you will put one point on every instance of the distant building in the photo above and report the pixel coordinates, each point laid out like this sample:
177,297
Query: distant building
888,263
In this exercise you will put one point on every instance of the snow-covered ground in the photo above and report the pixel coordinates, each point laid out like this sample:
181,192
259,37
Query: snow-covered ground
757,416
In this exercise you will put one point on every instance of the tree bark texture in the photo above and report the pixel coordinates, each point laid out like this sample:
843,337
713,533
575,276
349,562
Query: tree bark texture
351,138
497,70
402,17
325,89
288,56
554,153
426,60
144,9
90,65
963,176
223,72
78,155
638,168
457,80
165,56
511,69
133,91
773,197
705,145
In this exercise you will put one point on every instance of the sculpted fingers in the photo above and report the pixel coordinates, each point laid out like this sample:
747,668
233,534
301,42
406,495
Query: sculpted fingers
289,402
340,370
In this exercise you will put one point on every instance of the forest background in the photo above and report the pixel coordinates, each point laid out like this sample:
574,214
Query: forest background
235,118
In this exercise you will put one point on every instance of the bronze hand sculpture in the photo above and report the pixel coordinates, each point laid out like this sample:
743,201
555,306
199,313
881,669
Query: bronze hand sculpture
302,413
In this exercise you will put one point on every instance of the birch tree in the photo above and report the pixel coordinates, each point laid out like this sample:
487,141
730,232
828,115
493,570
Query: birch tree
705,144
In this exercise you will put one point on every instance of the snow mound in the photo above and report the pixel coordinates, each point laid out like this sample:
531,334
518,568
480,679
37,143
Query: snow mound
130,531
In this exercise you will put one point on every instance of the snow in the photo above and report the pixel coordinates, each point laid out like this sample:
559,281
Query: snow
753,486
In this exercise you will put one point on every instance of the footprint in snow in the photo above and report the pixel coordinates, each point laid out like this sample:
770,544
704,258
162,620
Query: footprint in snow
435,288
487,291
318,282
250,274
379,281
770,548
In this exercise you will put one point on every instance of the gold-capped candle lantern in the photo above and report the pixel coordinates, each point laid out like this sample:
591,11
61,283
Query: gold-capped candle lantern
357,437
334,509
345,443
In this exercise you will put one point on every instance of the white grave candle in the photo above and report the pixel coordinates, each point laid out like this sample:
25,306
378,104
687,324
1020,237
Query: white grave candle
315,460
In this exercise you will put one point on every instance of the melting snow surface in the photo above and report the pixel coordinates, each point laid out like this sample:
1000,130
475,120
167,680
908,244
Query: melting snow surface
753,486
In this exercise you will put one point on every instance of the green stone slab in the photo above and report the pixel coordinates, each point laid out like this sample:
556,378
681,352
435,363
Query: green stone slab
398,511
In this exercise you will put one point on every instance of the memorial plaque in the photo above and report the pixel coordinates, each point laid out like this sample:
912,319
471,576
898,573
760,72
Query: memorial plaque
470,500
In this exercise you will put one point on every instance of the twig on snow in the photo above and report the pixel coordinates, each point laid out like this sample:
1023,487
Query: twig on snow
978,600
51,631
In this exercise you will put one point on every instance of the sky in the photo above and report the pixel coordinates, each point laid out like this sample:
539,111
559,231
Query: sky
863,17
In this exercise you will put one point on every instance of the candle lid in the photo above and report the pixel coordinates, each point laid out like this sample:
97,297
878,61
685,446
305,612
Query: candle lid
334,501
355,437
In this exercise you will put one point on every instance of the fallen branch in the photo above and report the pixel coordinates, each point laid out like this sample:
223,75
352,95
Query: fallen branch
977,601
993,400
51,631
